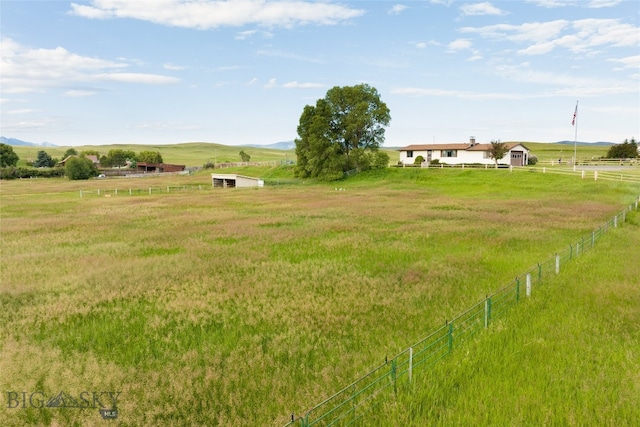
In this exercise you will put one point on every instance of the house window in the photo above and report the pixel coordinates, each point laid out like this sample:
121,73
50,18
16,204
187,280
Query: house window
409,153
449,153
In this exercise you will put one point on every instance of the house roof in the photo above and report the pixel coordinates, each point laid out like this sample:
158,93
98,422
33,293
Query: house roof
231,176
93,158
467,147
425,147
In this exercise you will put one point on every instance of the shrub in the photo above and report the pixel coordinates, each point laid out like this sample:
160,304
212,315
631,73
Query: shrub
13,172
80,168
532,160
419,160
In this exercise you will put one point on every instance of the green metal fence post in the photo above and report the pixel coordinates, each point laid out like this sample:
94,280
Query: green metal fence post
570,252
450,337
517,289
393,375
539,273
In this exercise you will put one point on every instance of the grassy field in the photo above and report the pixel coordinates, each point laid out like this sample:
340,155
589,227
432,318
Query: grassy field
199,153
570,355
238,307
189,154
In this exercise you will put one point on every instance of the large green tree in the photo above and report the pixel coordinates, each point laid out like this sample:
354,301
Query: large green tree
43,160
149,157
70,152
118,157
343,131
80,168
7,156
626,150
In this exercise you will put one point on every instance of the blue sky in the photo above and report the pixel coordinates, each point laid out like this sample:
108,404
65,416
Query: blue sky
241,71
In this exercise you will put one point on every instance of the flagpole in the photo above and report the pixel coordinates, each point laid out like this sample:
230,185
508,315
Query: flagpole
575,138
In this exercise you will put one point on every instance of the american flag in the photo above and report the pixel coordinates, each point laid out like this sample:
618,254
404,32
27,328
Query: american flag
575,113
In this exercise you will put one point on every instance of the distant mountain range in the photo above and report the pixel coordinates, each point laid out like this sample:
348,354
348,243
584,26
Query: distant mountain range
283,145
600,143
17,142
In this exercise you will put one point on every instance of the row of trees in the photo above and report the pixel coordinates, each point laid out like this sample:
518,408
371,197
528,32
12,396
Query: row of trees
114,158
118,158
77,166
626,150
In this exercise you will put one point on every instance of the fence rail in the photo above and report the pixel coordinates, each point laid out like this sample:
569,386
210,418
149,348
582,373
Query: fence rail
351,404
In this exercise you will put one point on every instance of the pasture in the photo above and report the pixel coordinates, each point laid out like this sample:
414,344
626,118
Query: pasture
239,307
199,153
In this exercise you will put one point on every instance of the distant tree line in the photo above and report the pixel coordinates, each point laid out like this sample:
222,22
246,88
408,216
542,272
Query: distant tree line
626,150
77,166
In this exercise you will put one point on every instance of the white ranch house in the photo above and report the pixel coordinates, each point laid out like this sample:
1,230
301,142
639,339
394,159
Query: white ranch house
470,153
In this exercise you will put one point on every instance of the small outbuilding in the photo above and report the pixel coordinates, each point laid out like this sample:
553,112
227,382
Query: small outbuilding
158,167
219,180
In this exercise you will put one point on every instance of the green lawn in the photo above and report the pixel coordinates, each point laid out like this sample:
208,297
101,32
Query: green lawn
236,307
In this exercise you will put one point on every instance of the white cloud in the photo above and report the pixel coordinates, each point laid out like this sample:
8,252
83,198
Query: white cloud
420,92
534,31
629,62
80,93
26,70
579,36
552,3
173,67
152,79
252,81
213,14
297,85
597,4
288,55
460,44
568,84
396,9
23,111
484,8
243,35
270,84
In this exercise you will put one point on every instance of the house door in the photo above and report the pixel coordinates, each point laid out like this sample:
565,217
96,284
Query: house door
517,158
428,156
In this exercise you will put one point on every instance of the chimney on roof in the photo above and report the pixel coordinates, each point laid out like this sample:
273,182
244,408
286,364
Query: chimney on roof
472,140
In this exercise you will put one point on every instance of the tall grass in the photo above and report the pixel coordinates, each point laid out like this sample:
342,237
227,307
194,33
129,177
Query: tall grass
570,355
237,307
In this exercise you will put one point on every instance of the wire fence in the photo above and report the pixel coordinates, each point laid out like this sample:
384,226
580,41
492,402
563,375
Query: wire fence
130,191
352,403
603,171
